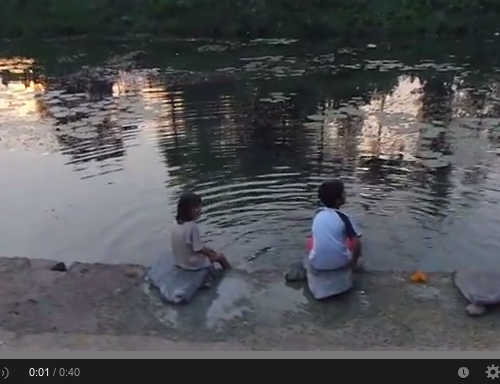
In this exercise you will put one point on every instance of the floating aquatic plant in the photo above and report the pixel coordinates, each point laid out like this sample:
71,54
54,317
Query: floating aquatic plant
432,132
273,41
440,162
316,117
212,48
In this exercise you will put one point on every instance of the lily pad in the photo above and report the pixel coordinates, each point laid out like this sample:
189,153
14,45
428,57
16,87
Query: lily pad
427,154
432,133
270,100
316,117
351,111
314,125
435,163
407,130
273,41
212,48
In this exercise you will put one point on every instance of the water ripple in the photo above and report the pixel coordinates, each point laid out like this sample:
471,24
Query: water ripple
416,143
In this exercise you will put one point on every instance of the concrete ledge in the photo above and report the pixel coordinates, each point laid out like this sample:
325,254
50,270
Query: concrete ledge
83,342
110,307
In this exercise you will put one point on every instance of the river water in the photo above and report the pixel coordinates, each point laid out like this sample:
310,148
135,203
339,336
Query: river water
98,138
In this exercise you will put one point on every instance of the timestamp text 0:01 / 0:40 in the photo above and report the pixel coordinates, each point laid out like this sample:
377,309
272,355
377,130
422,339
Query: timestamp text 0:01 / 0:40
54,372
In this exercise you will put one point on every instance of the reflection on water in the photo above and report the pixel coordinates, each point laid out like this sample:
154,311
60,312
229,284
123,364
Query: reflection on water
388,115
20,110
417,145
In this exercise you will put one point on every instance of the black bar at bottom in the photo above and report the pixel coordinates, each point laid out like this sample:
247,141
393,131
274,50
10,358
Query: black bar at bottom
301,371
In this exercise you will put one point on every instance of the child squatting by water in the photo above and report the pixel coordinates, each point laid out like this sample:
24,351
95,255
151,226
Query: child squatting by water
188,250
335,240
335,245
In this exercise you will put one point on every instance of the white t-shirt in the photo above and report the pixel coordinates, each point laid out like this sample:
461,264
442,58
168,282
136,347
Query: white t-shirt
330,230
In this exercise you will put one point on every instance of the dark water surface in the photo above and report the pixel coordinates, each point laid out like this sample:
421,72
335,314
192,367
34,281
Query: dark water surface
92,160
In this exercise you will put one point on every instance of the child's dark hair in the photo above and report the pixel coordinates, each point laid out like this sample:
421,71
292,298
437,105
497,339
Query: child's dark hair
330,192
187,202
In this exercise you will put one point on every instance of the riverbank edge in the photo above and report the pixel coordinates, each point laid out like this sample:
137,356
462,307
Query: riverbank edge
105,307
252,19
11,342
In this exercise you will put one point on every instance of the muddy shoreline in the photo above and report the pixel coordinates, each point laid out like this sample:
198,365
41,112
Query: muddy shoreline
109,307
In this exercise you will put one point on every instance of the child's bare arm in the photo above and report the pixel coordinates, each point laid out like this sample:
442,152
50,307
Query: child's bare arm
212,255
208,252
216,257
197,244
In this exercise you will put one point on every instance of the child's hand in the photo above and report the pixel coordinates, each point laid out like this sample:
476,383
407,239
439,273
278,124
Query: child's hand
222,260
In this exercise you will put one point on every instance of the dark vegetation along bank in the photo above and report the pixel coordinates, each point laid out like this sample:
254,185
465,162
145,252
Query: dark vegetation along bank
252,18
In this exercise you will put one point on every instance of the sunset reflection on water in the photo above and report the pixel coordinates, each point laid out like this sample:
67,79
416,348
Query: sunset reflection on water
414,148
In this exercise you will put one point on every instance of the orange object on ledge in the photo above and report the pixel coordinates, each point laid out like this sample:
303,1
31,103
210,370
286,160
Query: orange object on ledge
419,277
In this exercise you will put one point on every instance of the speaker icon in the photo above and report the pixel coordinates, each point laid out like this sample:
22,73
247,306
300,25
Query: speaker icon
5,373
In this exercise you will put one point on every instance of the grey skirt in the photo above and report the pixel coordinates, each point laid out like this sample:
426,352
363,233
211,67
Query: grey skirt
324,284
